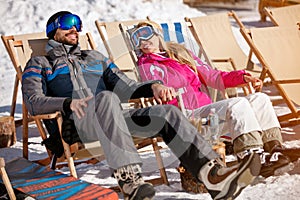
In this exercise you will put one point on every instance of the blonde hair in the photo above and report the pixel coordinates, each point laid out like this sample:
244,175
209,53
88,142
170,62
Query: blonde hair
174,50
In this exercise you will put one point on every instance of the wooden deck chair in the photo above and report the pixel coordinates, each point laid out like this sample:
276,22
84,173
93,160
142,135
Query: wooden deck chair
90,150
220,48
23,37
20,51
125,30
19,64
284,16
273,3
277,49
6,181
119,52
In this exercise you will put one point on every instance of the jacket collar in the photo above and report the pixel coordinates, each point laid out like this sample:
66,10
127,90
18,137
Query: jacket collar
56,49
156,56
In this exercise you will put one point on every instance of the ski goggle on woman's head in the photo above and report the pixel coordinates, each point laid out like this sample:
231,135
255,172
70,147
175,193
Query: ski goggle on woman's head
65,22
142,33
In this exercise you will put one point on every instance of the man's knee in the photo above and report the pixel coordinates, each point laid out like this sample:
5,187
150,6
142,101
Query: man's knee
108,97
171,110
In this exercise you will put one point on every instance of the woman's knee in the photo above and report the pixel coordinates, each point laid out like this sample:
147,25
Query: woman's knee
260,97
240,104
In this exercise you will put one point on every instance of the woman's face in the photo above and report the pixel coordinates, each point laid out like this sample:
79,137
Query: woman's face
151,45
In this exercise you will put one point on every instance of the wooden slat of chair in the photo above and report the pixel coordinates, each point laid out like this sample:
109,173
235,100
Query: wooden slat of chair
6,181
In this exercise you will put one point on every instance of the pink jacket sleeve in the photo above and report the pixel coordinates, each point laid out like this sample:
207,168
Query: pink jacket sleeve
219,79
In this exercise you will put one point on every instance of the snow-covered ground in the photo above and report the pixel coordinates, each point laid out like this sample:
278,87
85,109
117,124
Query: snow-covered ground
25,16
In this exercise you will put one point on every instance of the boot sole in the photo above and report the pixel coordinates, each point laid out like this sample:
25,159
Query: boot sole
144,192
244,178
284,169
279,171
293,154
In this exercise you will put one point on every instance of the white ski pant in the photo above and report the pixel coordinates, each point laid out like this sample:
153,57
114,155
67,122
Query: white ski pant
241,115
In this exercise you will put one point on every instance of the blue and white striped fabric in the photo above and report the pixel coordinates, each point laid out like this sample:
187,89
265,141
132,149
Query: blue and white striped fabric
167,33
179,32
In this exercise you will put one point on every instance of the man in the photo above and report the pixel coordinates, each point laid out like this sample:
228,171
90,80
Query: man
88,90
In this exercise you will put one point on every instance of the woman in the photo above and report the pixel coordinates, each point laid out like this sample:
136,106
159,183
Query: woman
251,120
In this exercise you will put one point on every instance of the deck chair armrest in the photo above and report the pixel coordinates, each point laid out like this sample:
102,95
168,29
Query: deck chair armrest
57,114
150,101
225,60
221,59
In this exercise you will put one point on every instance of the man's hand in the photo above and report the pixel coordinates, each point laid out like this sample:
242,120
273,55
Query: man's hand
256,82
163,93
78,104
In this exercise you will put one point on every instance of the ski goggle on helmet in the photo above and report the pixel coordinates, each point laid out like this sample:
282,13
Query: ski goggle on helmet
143,33
65,22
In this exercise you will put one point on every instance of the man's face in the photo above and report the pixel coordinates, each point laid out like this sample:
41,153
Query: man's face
69,37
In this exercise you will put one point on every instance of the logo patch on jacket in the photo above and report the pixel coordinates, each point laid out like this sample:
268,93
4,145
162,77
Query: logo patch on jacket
157,70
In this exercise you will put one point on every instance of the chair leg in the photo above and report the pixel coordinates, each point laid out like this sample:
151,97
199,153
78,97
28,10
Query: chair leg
161,166
221,150
25,131
67,150
6,181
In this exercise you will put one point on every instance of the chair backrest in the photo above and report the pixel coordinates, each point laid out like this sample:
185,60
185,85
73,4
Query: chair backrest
277,49
179,32
214,34
116,47
284,16
22,47
15,49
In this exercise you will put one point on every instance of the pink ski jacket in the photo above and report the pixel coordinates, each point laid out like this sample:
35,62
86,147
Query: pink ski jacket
173,74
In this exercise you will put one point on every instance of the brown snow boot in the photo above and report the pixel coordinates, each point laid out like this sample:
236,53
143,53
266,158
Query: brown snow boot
273,161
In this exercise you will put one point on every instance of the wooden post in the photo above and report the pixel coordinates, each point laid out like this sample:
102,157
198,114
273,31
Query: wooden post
6,181
7,131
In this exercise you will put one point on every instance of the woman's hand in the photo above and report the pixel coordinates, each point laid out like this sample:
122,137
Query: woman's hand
163,93
78,104
255,82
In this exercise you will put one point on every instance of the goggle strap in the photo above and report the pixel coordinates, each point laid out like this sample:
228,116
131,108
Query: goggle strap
52,26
